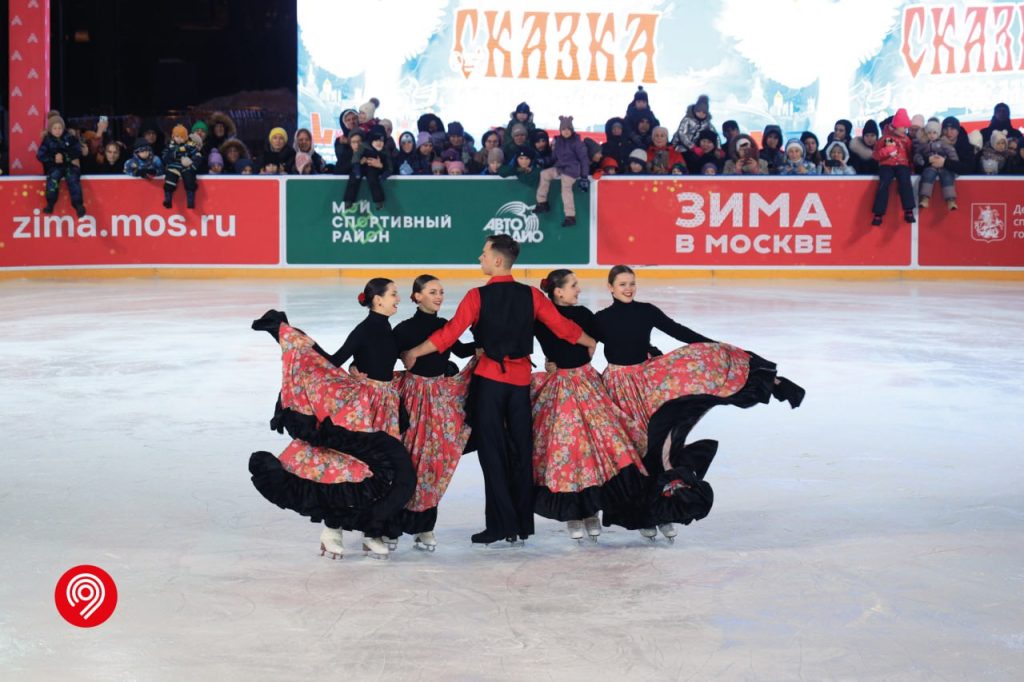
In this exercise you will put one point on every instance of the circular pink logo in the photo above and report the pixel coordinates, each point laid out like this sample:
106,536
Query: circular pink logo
86,596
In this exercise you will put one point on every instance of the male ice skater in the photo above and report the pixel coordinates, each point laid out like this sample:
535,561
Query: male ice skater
503,312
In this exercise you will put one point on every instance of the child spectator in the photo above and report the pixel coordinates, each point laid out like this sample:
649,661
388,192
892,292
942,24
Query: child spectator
838,161
595,155
144,163
637,162
842,131
609,166
771,153
407,158
367,114
456,140
916,132
113,160
495,160
270,166
524,117
432,124
1015,164
696,120
348,157
60,155
304,145
373,163
640,108
541,149
862,150
277,152
522,167
202,130
437,167
215,163
730,129
812,149
303,164
570,165
705,150
454,167
615,144
709,168
243,166
150,130
426,155
490,140
180,159
390,147
233,151
893,153
994,154
222,129
518,137
931,156
641,135
744,157
796,163
660,146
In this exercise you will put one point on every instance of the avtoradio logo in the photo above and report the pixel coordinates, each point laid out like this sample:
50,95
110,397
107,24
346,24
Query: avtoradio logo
517,220
86,596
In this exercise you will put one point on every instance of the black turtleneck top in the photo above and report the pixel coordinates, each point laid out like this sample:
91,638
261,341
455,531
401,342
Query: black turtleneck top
417,329
566,355
625,330
372,347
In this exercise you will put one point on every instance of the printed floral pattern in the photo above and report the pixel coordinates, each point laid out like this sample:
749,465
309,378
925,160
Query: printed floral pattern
323,465
716,369
581,439
437,432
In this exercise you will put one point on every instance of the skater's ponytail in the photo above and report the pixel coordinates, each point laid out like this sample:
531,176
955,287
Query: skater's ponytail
619,270
377,286
556,279
420,282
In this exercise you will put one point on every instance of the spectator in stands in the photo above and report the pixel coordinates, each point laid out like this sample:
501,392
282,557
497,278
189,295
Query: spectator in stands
1015,164
571,166
454,167
796,163
456,143
837,161
744,157
706,150
348,158
426,155
303,163
431,123
667,155
730,129
233,151
129,130
113,160
277,152
367,114
931,157
842,131
60,154
994,154
812,148
348,120
637,162
541,149
407,157
609,166
524,117
244,166
304,145
893,153
638,109
490,140
518,137
202,130
916,132
222,128
595,155
437,167
214,163
615,144
389,141
180,159
709,168
643,132
150,130
862,150
522,167
92,152
696,120
1001,120
374,164
495,160
772,153
144,163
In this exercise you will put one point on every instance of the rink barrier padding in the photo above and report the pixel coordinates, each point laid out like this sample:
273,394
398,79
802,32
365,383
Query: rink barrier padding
689,227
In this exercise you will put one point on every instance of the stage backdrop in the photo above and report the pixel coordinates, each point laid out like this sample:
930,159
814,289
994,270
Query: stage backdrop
801,65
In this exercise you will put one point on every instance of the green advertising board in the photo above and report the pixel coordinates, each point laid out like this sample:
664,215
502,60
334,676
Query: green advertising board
429,221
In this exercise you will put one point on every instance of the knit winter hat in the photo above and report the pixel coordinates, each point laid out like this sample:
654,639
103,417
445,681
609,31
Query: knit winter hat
495,156
277,131
455,128
200,125
933,127
450,155
302,159
950,122
976,140
609,162
917,121
565,123
638,155
707,134
702,104
709,166
141,143
179,131
517,129
523,150
901,119
369,108
436,163
794,143
640,94
214,159
997,136
242,164
53,120
870,128
522,108
424,138
454,165
408,137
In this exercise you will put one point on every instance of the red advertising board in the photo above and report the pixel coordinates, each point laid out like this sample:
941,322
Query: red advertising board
750,222
987,230
235,222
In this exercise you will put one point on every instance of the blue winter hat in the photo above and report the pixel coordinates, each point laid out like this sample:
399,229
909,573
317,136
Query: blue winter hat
455,128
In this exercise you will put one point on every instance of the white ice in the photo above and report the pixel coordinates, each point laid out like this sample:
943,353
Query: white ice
875,533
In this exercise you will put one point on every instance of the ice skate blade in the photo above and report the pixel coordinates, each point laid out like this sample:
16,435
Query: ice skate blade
374,555
392,546
330,555
497,545
424,547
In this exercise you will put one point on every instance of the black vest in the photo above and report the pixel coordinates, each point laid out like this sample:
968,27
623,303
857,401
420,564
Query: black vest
505,325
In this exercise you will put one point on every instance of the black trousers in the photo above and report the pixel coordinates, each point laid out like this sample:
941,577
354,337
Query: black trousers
72,176
505,447
373,177
886,174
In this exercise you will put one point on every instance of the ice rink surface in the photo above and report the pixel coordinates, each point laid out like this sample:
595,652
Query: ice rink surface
876,533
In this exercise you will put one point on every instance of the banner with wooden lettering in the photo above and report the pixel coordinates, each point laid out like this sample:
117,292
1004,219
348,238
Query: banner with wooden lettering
235,222
771,222
987,229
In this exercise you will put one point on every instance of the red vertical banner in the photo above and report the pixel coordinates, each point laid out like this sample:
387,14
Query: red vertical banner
28,65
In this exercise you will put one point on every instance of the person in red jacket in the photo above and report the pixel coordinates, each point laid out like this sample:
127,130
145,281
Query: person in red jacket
502,313
894,151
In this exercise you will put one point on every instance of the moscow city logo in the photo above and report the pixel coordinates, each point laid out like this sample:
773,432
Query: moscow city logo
517,220
988,222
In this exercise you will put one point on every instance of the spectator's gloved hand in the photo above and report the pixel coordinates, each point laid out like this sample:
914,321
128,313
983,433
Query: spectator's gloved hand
583,184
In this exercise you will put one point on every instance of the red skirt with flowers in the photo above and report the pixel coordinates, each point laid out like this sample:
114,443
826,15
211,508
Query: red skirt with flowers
345,466
669,394
587,453
436,437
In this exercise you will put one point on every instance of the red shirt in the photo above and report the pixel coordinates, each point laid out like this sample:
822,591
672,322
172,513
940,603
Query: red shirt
517,371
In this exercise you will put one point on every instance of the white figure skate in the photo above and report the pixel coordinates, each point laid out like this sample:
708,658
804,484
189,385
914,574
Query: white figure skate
426,541
331,543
